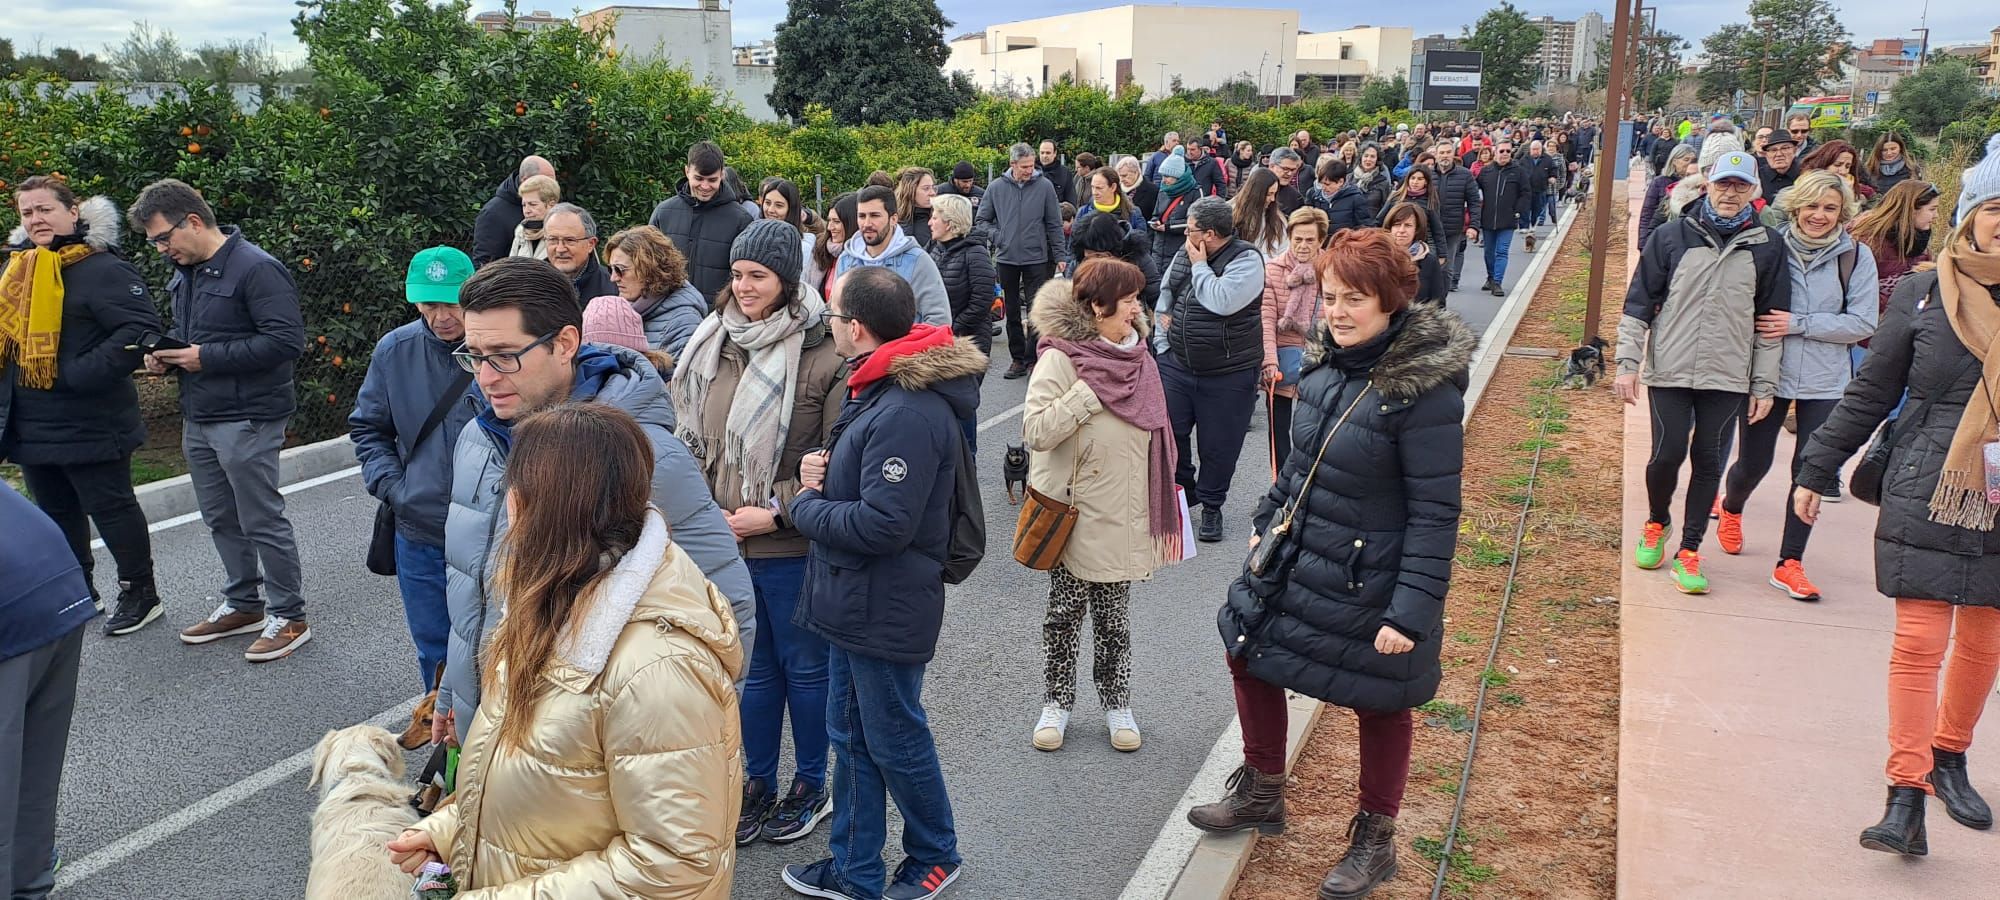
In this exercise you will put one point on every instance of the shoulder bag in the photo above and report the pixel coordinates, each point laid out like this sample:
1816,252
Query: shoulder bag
382,544
1279,532
1044,527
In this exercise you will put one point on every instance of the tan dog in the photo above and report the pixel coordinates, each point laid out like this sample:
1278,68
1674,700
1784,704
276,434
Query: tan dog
362,806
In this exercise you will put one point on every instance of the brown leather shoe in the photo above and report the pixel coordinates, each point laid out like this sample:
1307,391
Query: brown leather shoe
1255,800
281,636
226,621
1370,859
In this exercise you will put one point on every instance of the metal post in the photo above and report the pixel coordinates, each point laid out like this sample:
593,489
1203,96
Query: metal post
1764,75
1614,104
819,194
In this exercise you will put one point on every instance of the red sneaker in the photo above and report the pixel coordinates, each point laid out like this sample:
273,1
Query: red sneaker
1729,531
1790,577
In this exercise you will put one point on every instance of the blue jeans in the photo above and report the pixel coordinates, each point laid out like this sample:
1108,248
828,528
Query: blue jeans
1497,244
875,716
420,578
787,671
1548,208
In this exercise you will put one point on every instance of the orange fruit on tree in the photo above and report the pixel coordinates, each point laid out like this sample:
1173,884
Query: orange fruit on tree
337,361
322,340
194,148
346,307
202,130
186,131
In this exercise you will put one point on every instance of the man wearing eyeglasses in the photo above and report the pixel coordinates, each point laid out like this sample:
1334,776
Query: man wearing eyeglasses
524,347
570,234
1779,167
1505,194
407,415
237,314
1799,126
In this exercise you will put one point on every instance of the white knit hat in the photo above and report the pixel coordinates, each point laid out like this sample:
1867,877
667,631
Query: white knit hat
1713,146
1981,182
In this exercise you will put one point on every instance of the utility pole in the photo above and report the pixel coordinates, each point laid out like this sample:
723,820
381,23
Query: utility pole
1764,76
1614,105
1924,49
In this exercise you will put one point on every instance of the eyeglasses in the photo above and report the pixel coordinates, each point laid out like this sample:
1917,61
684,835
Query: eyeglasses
567,241
619,269
160,240
504,363
1732,186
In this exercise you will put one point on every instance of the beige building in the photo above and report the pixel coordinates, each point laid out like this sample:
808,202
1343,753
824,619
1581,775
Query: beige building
1342,61
697,36
1149,45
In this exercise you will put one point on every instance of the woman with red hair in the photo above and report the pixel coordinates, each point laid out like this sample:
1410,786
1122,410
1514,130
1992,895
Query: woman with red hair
1349,610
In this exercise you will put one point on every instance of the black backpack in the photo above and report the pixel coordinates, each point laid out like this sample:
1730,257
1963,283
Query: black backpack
967,545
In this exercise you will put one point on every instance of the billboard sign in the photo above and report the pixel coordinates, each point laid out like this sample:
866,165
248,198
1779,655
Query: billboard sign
1451,80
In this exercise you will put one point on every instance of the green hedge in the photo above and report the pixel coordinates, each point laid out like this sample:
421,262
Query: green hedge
415,115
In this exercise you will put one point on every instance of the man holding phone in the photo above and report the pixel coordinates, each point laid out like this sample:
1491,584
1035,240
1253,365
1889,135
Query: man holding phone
237,313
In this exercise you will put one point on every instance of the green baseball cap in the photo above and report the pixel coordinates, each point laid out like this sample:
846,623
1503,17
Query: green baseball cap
436,274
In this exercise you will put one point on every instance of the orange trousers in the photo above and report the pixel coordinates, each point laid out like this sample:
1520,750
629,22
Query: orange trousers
1920,715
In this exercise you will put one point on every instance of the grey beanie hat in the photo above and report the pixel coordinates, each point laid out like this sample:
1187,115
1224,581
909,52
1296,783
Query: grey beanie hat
1981,182
771,243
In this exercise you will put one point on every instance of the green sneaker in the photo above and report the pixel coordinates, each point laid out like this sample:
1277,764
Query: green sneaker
1652,549
1687,573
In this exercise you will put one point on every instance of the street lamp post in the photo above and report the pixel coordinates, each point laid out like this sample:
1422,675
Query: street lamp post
1163,79
1764,66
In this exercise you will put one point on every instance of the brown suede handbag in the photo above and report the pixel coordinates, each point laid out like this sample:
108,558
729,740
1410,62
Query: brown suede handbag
1045,524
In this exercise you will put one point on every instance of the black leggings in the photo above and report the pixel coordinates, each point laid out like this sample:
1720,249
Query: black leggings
1677,412
1753,460
1281,431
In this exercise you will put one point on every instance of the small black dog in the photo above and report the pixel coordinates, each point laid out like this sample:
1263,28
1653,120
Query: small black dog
1585,366
1014,466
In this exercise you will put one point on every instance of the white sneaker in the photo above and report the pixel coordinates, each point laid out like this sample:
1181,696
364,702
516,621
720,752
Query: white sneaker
1049,731
1124,729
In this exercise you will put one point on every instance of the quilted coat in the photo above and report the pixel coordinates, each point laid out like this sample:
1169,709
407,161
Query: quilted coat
1374,536
629,782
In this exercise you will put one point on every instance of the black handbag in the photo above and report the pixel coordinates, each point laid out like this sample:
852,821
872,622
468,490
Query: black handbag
382,544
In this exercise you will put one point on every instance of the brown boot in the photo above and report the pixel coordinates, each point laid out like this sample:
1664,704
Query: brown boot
1255,800
1370,859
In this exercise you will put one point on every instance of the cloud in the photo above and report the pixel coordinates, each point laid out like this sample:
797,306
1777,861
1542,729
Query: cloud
93,26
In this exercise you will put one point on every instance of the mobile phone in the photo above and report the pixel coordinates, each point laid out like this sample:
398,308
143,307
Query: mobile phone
153,342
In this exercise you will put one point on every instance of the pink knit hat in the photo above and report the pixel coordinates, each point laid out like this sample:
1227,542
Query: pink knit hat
612,320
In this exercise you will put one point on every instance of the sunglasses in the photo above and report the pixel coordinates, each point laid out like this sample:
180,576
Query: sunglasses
1796,132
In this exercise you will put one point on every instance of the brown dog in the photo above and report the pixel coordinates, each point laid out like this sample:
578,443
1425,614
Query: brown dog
419,732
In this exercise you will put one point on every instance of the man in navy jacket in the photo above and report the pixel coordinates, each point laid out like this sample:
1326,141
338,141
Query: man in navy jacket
44,603
238,312
877,507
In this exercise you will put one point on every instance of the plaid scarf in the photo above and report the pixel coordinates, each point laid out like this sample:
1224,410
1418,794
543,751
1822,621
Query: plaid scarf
31,306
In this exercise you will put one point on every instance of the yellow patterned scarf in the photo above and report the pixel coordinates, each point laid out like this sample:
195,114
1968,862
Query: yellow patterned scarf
31,307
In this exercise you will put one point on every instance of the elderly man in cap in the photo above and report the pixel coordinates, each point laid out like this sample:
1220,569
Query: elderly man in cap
1780,165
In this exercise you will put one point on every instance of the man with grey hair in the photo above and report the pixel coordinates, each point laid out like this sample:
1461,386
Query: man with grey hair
1302,142
1023,219
1167,145
570,234
493,231
1211,345
1289,166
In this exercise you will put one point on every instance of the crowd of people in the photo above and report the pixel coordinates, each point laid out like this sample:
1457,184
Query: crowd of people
780,407
1787,286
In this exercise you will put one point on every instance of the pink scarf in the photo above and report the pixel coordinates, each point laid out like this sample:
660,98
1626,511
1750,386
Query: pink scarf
1127,382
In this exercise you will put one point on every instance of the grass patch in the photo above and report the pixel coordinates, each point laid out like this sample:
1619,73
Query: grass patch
1462,872
1509,698
1465,637
1495,678
1446,714
1485,551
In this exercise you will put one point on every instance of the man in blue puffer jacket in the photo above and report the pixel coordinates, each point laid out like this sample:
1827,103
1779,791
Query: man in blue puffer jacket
44,604
523,338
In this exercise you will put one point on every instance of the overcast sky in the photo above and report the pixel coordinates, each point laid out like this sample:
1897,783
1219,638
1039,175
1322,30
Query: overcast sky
93,24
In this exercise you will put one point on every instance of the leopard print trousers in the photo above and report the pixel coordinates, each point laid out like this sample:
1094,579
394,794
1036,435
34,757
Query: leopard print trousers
1111,634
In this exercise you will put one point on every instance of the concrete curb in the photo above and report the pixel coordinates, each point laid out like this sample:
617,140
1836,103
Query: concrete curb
1216,861
171,497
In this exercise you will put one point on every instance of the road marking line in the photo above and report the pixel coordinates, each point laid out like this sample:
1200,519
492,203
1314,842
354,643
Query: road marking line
138,841
1002,417
1162,865
293,488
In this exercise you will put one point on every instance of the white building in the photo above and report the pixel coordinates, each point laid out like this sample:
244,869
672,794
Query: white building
1342,61
762,53
1556,57
698,37
1589,32
1151,46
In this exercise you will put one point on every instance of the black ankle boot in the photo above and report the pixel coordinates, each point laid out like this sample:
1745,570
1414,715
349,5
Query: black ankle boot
1961,802
1902,827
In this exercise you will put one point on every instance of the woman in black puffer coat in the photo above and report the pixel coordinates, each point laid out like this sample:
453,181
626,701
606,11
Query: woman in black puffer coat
72,426
1937,551
1351,606
966,265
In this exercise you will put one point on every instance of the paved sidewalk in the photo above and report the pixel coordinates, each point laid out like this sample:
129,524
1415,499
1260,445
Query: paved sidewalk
1752,726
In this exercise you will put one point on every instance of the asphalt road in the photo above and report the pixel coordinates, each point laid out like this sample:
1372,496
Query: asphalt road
187,778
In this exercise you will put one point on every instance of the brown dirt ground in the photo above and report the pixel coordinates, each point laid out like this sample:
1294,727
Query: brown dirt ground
1541,815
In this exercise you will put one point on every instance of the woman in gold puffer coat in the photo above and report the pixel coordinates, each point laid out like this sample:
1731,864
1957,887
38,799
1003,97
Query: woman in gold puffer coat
607,762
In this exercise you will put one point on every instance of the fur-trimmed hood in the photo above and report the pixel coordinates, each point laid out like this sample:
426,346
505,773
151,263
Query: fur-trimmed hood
97,219
926,369
1057,314
1434,346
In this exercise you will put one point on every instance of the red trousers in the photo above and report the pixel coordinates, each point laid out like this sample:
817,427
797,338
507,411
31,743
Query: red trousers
1385,740
1921,714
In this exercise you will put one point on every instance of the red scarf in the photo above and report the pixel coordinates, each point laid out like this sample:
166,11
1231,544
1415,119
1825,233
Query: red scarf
875,366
